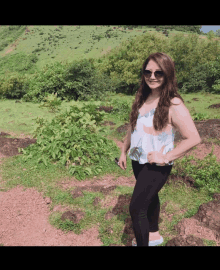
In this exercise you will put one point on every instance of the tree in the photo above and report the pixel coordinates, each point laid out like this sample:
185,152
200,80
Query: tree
211,34
217,32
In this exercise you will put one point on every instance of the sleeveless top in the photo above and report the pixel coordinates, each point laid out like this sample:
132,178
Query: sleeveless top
145,139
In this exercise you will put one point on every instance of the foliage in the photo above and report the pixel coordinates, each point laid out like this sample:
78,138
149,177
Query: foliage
124,62
203,77
117,71
75,80
86,82
51,101
12,85
206,173
217,32
185,28
72,139
49,79
211,34
122,109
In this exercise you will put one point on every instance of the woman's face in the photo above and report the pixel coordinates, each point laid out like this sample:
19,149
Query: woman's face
153,82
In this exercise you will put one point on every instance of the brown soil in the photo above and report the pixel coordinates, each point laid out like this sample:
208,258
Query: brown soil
24,212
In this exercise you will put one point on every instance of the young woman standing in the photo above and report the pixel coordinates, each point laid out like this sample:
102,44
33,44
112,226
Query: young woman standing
157,112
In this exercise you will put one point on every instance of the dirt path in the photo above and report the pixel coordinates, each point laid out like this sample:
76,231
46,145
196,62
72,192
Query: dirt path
24,222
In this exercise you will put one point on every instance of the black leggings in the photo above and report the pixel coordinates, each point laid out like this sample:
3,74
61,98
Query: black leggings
145,205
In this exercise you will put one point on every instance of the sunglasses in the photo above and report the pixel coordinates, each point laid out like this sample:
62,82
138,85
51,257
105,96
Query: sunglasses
158,74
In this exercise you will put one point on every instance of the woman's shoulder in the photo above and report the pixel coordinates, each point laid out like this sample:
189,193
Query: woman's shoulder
175,101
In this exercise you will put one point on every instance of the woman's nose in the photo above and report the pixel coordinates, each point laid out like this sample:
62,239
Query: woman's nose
152,76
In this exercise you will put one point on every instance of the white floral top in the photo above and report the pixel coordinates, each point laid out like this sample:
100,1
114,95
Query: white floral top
145,139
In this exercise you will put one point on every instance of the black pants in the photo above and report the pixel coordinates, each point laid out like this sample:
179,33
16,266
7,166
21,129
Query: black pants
145,205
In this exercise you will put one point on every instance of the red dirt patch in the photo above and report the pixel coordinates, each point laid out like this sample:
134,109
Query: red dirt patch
24,222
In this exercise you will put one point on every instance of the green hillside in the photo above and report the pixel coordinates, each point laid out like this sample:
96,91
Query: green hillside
62,43
67,43
84,62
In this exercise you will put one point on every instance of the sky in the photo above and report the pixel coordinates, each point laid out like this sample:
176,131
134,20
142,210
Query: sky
207,28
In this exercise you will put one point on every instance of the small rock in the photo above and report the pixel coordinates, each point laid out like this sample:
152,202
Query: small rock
199,230
47,200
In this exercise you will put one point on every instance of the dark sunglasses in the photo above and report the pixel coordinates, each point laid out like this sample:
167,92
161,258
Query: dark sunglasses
158,74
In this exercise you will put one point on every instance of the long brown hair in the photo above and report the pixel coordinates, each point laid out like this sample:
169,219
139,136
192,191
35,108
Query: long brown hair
169,91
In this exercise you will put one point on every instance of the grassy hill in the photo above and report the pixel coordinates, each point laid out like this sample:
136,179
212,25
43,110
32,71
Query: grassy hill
67,43
49,44
109,52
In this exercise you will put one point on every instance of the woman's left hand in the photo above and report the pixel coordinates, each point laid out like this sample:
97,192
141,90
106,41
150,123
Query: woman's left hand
156,157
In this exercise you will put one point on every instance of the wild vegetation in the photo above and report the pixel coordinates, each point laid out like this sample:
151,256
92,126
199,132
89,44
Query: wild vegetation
87,87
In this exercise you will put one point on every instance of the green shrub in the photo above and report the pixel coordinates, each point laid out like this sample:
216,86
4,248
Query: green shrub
125,61
50,79
203,77
12,85
72,139
52,102
86,82
122,109
77,80
206,173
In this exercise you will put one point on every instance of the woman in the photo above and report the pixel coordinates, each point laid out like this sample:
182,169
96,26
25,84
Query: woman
153,121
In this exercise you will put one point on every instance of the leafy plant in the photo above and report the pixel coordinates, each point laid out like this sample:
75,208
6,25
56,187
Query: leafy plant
51,101
75,80
12,85
72,140
206,173
203,77
122,109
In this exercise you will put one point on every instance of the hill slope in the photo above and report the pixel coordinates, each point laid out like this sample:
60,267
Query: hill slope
48,44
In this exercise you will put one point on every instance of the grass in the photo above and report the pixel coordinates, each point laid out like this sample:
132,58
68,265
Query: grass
19,118
183,201
75,42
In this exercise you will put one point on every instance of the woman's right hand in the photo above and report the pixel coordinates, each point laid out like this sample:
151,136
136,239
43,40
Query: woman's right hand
123,161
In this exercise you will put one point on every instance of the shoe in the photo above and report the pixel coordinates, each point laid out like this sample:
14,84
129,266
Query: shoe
134,243
151,243
156,242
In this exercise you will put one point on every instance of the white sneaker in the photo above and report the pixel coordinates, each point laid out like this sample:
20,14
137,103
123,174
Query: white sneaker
156,242
151,243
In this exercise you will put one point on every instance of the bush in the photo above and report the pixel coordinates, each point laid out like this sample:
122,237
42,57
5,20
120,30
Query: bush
86,82
125,61
72,139
77,80
50,79
52,102
203,77
122,109
12,85
206,173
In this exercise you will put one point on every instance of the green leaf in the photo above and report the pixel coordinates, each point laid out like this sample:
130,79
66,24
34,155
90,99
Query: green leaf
88,170
44,161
